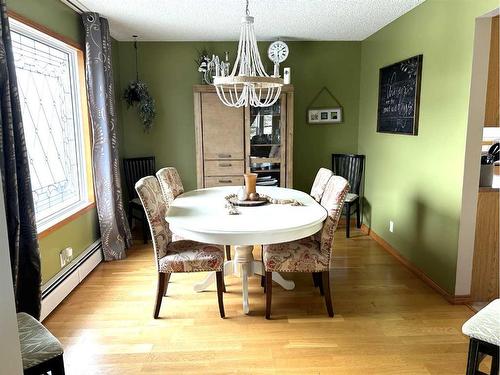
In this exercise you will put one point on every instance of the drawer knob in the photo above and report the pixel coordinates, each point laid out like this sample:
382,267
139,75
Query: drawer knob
225,181
225,165
224,155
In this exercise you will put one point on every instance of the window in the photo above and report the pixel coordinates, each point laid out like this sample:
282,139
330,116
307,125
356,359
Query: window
49,91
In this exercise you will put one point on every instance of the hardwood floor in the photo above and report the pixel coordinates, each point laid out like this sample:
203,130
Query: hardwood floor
386,322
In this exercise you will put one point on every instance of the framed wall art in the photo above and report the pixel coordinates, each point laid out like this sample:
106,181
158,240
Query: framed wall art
325,115
399,97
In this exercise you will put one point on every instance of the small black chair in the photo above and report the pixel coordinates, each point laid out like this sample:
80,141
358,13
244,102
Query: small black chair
350,166
41,352
484,335
135,169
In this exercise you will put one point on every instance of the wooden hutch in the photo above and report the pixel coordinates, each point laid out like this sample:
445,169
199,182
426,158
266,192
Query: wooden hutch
232,141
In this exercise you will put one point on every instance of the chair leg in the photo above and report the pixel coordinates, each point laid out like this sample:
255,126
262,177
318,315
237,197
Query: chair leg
316,282
223,282
144,228
328,295
495,361
130,216
358,214
472,360
228,257
348,220
167,279
319,280
263,277
59,366
220,291
54,366
159,293
269,293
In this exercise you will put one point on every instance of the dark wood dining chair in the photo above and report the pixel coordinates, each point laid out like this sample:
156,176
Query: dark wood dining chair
350,166
135,169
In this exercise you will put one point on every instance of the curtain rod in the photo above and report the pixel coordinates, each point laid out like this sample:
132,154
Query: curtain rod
76,6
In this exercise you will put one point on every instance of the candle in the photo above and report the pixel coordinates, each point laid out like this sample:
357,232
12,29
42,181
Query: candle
250,181
287,76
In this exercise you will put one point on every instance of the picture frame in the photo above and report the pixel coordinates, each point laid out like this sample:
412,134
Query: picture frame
333,115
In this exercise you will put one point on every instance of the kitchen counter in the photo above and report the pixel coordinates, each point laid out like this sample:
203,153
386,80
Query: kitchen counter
485,189
485,272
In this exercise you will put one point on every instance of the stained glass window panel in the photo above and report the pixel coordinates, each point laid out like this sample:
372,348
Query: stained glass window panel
48,90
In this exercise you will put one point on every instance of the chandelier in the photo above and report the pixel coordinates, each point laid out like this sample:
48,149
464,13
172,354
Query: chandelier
248,83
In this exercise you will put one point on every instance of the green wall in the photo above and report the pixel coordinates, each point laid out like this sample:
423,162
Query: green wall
170,72
83,231
78,234
416,181
52,14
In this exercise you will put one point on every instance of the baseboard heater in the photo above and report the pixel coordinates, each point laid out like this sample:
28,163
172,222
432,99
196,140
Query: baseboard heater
60,286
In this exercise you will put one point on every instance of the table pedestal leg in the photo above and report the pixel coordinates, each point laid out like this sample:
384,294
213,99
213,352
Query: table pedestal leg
244,257
285,284
245,261
258,269
244,287
209,280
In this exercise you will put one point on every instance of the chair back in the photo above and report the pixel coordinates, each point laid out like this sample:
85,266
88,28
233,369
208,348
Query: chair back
319,184
135,169
349,166
333,202
170,183
149,191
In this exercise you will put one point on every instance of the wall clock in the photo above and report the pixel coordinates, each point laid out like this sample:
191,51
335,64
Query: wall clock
277,52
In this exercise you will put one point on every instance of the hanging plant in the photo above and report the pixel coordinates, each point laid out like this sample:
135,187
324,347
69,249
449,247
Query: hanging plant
137,94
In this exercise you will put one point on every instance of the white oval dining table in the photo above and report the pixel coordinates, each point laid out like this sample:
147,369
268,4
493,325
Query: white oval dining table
200,215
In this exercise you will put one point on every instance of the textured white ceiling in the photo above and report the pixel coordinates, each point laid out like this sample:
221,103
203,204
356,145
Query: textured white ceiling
216,20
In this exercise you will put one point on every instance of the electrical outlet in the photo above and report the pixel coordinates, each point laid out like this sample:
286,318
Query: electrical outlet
65,256
391,226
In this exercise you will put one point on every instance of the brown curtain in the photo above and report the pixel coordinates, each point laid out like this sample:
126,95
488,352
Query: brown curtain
115,232
14,167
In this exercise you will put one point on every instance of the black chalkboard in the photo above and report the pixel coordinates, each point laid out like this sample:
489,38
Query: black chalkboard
399,97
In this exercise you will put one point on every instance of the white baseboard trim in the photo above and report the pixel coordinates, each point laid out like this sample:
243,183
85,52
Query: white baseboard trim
60,286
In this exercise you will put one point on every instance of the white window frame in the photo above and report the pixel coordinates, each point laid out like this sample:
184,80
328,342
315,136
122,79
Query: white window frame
64,210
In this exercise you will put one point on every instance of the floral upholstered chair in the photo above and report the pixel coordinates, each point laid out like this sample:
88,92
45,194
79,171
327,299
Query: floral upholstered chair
170,183
178,256
319,184
171,187
317,191
307,254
